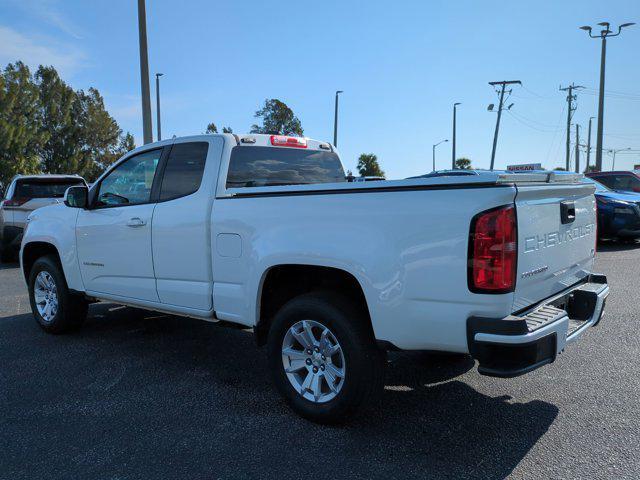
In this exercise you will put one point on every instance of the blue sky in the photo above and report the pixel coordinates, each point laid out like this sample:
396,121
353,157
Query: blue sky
401,66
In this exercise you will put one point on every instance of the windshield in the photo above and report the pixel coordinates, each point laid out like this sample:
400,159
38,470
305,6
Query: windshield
599,187
44,188
269,166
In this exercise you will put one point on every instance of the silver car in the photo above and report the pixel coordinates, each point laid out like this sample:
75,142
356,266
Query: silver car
24,194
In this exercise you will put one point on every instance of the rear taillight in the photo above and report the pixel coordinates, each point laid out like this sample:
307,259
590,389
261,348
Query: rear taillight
15,202
493,251
284,141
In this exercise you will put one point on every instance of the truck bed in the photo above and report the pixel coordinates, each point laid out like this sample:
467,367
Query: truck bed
481,179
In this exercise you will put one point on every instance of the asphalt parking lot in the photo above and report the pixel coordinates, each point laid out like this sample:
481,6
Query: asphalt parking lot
141,395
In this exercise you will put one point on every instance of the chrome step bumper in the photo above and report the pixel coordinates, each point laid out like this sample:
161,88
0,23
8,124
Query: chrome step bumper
518,344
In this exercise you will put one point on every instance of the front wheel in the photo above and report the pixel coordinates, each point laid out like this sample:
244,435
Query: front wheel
323,357
55,308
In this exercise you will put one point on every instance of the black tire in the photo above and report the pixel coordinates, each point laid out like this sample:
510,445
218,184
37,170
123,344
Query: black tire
71,309
364,361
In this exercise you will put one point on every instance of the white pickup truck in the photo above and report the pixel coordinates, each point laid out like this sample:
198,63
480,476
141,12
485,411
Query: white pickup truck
264,231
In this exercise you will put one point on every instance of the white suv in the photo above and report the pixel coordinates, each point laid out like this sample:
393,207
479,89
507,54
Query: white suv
24,194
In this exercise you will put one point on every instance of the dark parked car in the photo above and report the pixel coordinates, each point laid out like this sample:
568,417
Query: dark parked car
618,213
618,181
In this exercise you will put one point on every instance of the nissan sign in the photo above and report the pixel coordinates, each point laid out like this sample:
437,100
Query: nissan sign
527,167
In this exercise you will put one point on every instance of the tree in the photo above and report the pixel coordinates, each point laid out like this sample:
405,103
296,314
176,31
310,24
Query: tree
560,169
46,126
20,136
59,116
592,168
127,143
277,119
368,165
211,128
463,164
99,135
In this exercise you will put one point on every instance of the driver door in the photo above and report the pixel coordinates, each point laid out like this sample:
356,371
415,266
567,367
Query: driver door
114,235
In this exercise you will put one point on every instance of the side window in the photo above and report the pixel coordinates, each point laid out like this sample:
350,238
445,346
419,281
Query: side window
622,182
625,183
184,170
130,182
628,183
608,181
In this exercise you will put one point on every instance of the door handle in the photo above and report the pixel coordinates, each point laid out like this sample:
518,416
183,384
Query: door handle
136,222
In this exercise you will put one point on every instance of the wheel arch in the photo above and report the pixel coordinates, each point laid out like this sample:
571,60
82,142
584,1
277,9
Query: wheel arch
283,282
32,251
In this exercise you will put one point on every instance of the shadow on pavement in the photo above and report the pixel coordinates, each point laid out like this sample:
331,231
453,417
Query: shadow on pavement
136,394
617,245
9,265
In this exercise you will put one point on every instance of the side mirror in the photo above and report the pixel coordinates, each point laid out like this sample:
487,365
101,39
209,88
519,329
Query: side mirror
76,197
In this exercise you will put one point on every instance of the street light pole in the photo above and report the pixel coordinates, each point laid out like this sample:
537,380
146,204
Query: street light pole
434,152
335,121
603,56
577,148
158,75
588,146
144,73
453,143
615,151
604,34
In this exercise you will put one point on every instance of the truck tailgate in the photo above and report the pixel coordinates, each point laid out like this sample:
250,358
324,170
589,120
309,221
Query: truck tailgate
556,239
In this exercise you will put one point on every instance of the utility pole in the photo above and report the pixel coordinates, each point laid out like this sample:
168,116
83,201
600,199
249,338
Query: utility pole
158,75
570,109
335,121
588,146
453,144
144,73
577,148
604,33
503,85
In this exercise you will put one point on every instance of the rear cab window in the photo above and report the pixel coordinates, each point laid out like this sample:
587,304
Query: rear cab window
257,166
184,170
44,187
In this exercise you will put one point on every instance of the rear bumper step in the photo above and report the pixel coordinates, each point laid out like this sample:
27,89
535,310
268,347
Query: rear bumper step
518,344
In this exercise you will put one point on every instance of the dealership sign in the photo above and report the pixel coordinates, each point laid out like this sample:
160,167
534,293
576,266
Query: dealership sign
526,167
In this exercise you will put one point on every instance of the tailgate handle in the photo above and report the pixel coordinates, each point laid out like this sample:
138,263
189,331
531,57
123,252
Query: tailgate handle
567,212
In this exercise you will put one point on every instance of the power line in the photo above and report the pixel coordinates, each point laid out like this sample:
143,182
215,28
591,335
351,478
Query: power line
614,92
555,135
524,121
614,96
531,120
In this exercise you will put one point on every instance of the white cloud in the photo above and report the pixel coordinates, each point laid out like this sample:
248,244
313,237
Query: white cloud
17,46
123,107
47,11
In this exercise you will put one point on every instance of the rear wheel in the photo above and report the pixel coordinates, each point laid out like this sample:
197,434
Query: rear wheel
323,357
55,309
